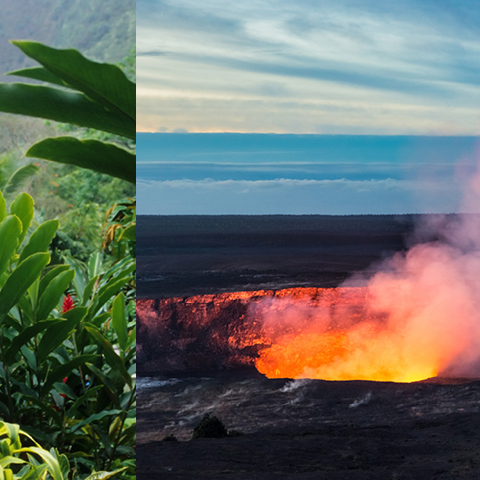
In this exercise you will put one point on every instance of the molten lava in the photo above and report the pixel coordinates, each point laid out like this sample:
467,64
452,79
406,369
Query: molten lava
339,337
417,318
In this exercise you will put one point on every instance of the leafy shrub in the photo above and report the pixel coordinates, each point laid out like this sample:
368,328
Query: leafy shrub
67,343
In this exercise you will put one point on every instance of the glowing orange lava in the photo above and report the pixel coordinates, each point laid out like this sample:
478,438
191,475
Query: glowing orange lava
344,338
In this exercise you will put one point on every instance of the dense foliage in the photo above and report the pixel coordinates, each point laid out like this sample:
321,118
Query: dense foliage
67,301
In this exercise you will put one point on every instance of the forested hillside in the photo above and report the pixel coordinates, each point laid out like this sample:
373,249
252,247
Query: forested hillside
103,30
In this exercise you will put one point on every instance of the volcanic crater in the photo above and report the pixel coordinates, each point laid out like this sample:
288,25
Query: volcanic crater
249,357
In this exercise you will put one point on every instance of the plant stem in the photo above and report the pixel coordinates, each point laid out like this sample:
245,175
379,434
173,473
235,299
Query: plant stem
119,434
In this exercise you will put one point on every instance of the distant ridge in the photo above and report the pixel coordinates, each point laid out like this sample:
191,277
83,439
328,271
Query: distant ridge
103,30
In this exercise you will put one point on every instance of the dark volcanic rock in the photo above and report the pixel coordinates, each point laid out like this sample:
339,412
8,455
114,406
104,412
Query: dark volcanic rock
309,429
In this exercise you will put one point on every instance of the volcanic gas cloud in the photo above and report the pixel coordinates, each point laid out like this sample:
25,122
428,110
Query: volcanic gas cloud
421,316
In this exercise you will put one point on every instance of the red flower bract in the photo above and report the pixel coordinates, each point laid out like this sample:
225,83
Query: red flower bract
67,303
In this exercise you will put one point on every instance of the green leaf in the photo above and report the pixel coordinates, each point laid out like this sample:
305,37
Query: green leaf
19,177
66,369
48,277
3,207
104,475
105,293
87,291
38,73
80,273
22,207
119,320
95,417
20,279
52,464
24,337
40,239
61,106
56,335
112,358
99,156
10,231
103,83
51,296
130,233
94,264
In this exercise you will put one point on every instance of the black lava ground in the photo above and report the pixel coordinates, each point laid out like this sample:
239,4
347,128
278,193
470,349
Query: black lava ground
310,429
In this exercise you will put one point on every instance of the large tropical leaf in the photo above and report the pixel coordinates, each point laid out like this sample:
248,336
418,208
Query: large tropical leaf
102,82
39,73
20,279
10,230
19,177
40,239
57,334
51,296
62,106
101,157
22,207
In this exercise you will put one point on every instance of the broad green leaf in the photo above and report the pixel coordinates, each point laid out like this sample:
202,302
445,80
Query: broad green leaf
56,335
94,264
105,293
130,233
112,358
3,207
10,230
19,177
22,207
94,417
24,337
99,156
40,239
13,431
52,464
20,279
52,294
38,73
61,106
30,357
103,83
104,475
9,460
80,274
119,320
48,277
87,291
59,373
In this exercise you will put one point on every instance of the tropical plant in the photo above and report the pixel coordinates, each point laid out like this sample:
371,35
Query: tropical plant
67,343
67,361
39,463
81,92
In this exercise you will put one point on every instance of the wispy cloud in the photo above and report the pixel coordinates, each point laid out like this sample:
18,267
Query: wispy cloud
232,66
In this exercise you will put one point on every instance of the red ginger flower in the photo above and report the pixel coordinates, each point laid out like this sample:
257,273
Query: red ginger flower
67,303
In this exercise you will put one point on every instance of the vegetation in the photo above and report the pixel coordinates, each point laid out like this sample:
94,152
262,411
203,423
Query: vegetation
103,29
67,300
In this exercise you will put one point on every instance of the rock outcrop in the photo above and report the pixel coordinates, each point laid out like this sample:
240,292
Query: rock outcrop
223,331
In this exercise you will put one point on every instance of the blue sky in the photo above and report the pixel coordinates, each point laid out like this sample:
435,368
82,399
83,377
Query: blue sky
392,78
